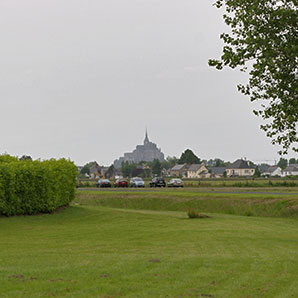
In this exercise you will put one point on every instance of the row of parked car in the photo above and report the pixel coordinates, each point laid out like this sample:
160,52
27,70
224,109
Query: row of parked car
139,182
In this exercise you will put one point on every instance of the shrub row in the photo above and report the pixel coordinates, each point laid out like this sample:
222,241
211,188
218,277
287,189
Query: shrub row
30,187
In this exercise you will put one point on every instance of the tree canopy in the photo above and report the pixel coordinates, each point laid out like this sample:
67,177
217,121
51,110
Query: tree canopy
110,172
86,168
293,161
188,157
127,169
156,167
264,40
283,163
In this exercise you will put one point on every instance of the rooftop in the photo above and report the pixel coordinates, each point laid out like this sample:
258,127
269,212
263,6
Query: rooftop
241,164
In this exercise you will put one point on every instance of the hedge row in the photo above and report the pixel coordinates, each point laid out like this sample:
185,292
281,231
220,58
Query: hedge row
30,187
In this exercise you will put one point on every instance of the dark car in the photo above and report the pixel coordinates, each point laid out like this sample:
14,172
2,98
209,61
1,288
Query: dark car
121,183
103,183
176,182
157,182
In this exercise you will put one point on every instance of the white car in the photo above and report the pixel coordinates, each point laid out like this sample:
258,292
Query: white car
136,182
175,183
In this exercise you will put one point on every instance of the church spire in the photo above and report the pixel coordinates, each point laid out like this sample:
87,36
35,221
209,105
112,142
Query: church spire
146,141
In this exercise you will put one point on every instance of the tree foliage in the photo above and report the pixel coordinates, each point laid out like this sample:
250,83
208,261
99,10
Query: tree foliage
110,172
86,168
283,163
264,39
127,169
156,167
171,161
188,157
257,172
217,162
138,172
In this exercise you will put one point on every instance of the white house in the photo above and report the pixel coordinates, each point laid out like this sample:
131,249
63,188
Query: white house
273,171
291,170
241,168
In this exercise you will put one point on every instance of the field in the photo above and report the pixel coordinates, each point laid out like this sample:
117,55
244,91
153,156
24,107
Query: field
282,202
142,244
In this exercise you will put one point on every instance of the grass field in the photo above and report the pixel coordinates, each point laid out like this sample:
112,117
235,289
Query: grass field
242,202
95,249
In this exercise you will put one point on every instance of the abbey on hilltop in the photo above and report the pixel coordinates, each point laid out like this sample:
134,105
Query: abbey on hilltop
146,152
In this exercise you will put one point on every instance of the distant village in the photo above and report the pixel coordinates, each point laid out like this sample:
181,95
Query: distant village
147,160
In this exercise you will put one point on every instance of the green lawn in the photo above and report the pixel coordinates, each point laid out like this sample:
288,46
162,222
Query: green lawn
96,251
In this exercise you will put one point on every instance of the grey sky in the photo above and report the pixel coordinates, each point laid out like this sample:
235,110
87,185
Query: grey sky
83,78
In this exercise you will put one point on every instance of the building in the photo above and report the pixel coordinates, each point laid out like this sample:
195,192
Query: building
197,171
103,171
146,152
291,170
217,172
95,171
263,168
272,171
179,170
242,168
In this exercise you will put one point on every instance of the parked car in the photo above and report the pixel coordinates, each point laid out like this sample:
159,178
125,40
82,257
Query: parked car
103,183
157,182
176,182
136,182
121,183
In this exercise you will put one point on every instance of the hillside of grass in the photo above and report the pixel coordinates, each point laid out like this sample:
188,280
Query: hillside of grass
249,204
95,251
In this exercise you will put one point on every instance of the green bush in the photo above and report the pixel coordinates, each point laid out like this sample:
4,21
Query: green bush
192,213
30,187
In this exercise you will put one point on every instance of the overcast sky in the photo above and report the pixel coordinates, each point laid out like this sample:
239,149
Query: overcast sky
83,78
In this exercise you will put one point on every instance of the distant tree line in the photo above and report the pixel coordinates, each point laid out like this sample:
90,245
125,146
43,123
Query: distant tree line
283,162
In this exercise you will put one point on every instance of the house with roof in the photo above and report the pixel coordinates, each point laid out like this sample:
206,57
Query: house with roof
217,172
179,170
95,171
242,168
197,171
272,171
103,171
165,172
263,167
290,170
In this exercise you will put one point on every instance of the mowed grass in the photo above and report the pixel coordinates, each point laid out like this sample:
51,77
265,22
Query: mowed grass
95,251
90,250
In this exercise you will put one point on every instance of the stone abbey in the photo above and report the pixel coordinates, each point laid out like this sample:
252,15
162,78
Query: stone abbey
146,152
